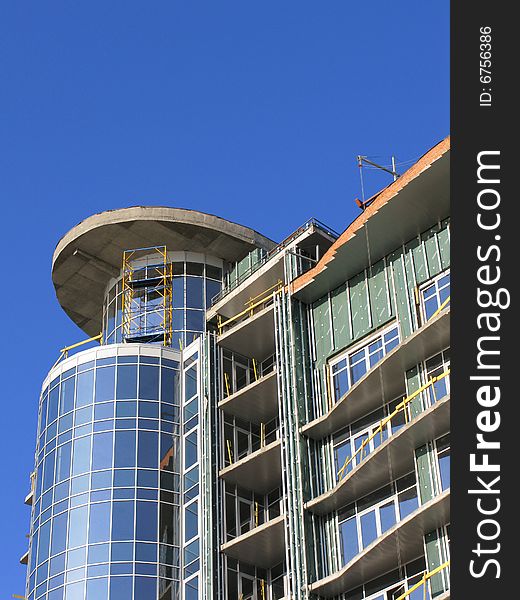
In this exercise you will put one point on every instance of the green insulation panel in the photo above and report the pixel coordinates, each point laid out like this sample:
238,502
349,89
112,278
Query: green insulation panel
340,317
444,244
436,555
432,250
425,472
380,298
413,383
359,309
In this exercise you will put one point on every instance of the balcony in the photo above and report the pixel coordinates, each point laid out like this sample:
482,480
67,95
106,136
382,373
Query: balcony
263,546
267,271
400,544
260,471
386,379
395,456
257,402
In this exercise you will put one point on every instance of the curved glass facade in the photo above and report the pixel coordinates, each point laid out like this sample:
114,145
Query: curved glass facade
196,280
106,520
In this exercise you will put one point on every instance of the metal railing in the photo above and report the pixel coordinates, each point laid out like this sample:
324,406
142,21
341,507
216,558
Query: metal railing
64,352
401,407
276,250
262,300
423,581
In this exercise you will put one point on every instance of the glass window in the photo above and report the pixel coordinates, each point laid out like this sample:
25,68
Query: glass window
443,456
368,528
126,382
124,455
212,289
408,502
97,589
349,540
434,295
54,397
145,587
190,383
81,455
105,384
191,521
195,320
349,369
103,411
120,588
387,515
190,450
48,478
78,526
85,388
194,292
59,533
102,451
63,462
146,522
147,449
67,395
122,521
148,382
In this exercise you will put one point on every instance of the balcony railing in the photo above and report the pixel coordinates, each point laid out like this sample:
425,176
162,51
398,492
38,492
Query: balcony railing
253,307
276,250
423,583
403,407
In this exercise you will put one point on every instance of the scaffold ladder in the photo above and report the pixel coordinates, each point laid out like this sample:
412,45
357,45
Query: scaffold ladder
147,296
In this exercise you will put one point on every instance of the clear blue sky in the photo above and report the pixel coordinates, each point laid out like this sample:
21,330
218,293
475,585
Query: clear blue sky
251,110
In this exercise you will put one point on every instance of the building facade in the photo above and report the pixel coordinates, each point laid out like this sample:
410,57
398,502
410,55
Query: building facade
259,420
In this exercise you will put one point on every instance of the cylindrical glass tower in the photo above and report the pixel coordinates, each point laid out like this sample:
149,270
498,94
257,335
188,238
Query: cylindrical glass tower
115,500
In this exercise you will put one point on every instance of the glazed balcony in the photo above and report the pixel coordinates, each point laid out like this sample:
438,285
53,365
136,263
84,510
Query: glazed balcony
385,380
262,546
400,544
364,472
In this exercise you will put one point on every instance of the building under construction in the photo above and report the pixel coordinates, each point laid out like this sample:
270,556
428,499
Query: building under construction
250,420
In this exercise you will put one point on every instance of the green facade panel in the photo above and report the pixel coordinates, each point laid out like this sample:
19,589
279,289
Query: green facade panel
379,295
431,246
444,245
359,309
340,317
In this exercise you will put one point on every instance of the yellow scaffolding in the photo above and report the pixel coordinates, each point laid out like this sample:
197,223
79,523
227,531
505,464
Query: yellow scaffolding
144,277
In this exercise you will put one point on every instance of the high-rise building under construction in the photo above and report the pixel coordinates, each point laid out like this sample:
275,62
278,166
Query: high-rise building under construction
250,420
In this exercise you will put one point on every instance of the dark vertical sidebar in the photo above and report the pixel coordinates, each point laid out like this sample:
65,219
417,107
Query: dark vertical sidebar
485,330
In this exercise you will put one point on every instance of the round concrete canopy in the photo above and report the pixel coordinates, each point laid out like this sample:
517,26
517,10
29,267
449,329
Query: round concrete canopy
90,254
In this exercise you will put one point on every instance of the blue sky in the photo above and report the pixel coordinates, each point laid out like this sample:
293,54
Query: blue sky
251,110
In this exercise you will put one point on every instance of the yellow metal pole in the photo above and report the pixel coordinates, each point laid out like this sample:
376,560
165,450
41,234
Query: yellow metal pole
226,379
229,452
254,369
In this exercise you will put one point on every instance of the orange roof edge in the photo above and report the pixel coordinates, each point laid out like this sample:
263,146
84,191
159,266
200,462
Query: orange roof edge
384,196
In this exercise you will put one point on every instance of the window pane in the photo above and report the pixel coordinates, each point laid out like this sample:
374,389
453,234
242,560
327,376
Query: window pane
99,530
148,382
125,449
190,383
78,527
97,589
146,522
105,384
444,468
63,462
145,587
85,388
126,382
195,320
67,395
368,528
81,455
59,533
349,539
387,515
194,292
123,521
120,588
408,502
147,450
102,451
191,523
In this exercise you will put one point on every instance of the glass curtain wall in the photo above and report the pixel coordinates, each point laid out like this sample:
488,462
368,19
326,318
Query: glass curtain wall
195,282
105,517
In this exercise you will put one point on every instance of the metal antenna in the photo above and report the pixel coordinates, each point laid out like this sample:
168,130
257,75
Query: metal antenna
365,160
